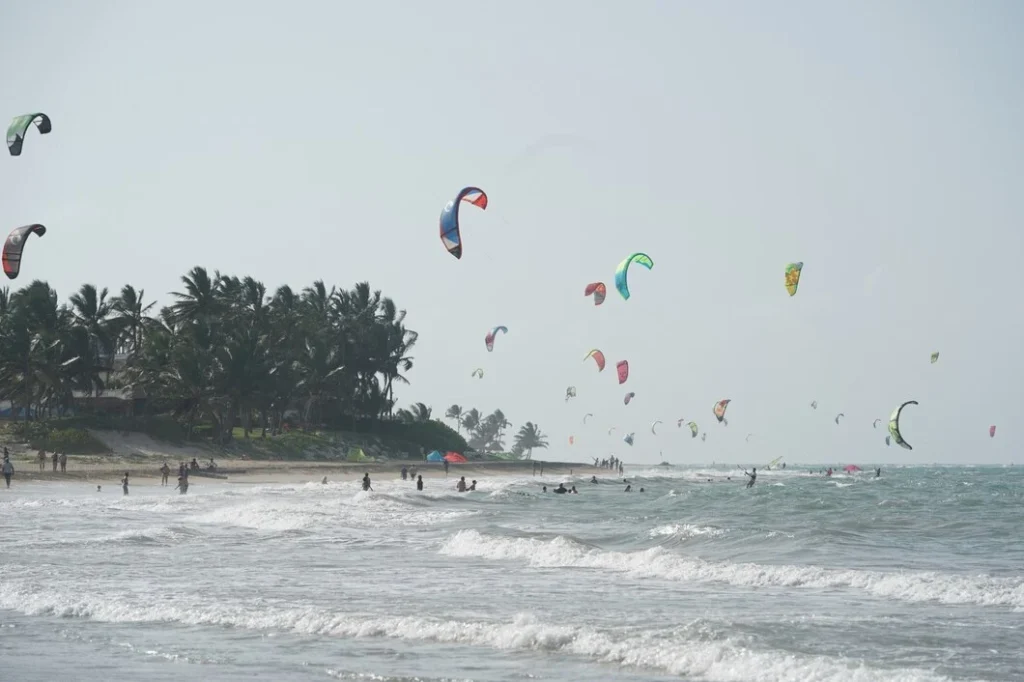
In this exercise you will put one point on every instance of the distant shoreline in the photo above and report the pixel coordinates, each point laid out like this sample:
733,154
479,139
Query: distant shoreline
288,471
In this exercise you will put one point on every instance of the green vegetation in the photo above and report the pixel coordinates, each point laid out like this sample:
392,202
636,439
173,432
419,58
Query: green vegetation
70,440
487,433
290,374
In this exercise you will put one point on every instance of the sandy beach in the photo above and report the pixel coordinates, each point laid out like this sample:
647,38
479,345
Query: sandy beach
110,469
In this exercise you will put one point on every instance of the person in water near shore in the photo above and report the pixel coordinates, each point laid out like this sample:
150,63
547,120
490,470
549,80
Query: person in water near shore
124,483
182,484
165,473
574,491
405,473
323,481
753,477
472,486
642,490
366,481
878,472
7,468
56,461
593,479
419,482
561,489
628,489
544,489
461,485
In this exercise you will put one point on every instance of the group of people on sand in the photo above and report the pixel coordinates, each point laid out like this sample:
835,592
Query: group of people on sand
613,463
60,460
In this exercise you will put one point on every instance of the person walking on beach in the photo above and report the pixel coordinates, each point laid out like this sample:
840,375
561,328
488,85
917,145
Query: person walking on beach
7,468
366,482
124,483
56,461
63,462
419,482
165,473
42,461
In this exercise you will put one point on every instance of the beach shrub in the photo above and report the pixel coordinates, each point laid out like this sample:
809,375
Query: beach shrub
74,441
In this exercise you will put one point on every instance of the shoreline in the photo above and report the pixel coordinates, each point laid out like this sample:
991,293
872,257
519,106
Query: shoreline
289,471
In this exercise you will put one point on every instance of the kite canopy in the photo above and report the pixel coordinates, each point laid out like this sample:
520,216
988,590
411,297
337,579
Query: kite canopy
454,458
935,357
451,236
598,289
629,396
793,277
19,126
478,373
850,468
894,425
14,246
838,416
570,392
814,404
588,414
719,409
622,369
489,339
887,441
620,272
598,358
875,423
992,431
628,439
655,423
694,429
435,456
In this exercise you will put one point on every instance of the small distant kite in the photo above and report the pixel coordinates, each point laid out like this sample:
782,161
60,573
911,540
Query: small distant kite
622,369
653,424
992,431
719,410
838,416
621,284
814,404
610,430
599,291
588,414
793,277
875,423
747,439
894,425
570,392
628,438
629,396
489,339
572,439
935,357
703,437
478,373
887,443
19,126
451,236
15,245
598,358
694,429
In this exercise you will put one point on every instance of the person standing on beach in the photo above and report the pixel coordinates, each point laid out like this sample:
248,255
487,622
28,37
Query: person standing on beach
63,462
124,483
446,468
56,461
419,482
7,468
42,461
165,473
405,473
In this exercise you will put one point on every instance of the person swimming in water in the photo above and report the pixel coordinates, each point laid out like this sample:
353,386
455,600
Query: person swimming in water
628,489
593,479
561,489
461,485
753,477
366,482
419,482
472,486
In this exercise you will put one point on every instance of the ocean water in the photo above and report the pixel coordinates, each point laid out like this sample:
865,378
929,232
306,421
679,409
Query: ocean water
917,575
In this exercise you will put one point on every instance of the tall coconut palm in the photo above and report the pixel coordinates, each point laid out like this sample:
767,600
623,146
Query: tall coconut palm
529,437
130,318
455,413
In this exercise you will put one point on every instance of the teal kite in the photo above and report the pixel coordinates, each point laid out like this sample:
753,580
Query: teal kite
620,272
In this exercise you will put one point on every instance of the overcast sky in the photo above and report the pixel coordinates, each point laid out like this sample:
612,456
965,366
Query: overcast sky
878,142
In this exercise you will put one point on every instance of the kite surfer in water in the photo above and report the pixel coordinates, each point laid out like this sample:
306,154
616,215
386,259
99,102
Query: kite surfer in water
753,477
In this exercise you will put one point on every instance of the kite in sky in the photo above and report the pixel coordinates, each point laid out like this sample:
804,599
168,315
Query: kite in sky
15,245
19,126
621,282
451,236
793,277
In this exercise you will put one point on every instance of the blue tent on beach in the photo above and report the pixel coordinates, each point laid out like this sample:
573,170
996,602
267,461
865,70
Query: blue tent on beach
435,456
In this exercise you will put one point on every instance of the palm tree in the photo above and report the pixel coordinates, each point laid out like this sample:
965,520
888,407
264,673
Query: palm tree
130,318
529,437
418,413
471,420
455,413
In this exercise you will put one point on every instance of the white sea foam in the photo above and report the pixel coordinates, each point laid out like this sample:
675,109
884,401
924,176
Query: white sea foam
660,563
678,652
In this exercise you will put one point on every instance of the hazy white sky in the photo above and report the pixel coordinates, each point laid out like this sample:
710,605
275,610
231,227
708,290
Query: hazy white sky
878,142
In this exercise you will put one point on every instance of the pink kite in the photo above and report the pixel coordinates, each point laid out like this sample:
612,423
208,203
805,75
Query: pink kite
623,369
992,431
850,468
454,458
